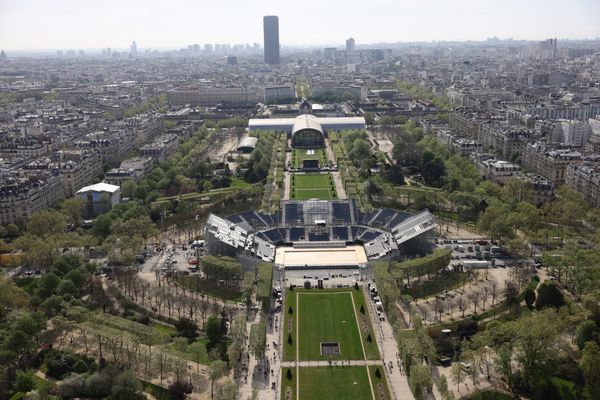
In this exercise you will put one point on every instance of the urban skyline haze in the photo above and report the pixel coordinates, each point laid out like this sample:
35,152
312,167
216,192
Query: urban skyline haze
36,24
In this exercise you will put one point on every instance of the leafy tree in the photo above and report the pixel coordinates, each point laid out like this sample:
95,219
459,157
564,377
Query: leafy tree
73,209
458,375
590,365
587,331
46,223
420,381
226,390
532,343
12,230
215,370
187,328
11,296
128,189
529,297
432,169
127,387
549,296
47,285
394,175
24,381
66,286
198,353
258,339
215,331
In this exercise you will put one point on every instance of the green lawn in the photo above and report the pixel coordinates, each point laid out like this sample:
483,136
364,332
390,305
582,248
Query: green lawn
288,383
289,326
299,155
312,186
382,391
351,383
327,317
366,328
163,329
158,392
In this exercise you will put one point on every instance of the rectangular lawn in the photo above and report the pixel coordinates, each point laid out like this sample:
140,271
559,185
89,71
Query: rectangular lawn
312,186
340,383
327,317
299,155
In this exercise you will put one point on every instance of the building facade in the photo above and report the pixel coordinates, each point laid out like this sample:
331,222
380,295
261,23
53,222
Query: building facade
271,39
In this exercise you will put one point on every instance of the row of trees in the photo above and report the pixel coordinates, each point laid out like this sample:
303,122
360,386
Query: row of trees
432,263
168,299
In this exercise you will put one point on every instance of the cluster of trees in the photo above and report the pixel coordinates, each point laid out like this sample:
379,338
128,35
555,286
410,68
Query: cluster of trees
132,346
417,353
257,166
432,263
221,268
154,103
110,383
274,185
360,151
352,178
415,91
64,283
187,170
124,232
525,352
20,337
45,235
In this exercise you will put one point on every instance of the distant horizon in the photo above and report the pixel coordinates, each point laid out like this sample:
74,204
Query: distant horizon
71,24
296,46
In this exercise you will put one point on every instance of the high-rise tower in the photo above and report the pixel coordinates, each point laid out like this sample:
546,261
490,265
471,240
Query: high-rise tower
350,45
271,35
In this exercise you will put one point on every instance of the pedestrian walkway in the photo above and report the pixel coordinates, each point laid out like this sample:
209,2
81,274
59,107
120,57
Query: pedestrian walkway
388,348
261,377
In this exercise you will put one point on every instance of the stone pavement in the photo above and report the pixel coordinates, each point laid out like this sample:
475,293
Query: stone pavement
262,377
388,349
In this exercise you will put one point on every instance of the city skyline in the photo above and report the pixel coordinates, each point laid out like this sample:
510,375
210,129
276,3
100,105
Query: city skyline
64,24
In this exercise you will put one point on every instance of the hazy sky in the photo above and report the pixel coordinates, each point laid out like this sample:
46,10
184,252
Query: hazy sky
75,24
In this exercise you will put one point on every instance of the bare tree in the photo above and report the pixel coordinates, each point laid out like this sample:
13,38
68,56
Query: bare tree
461,302
474,297
494,289
485,292
162,364
204,305
438,308
450,303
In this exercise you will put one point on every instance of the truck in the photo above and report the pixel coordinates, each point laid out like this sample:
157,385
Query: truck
475,264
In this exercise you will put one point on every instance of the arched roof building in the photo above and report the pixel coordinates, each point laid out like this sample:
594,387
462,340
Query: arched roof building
307,130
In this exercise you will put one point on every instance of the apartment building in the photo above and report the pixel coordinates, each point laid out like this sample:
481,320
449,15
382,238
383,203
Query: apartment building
24,193
585,179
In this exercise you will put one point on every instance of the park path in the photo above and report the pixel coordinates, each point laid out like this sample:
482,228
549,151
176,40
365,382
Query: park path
337,178
388,349
287,177
261,376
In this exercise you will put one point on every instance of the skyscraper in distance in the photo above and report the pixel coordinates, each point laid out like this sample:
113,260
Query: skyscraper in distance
271,36
350,45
